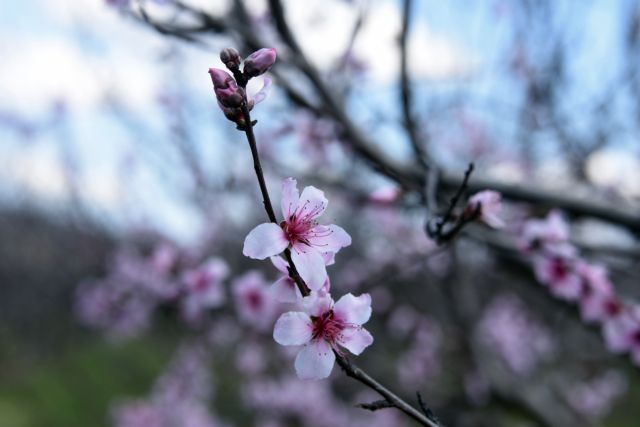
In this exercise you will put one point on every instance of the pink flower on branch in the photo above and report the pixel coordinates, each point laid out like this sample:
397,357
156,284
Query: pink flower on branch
490,205
203,288
323,328
308,241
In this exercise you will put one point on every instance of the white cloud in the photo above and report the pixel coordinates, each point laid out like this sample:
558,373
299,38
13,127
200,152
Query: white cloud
324,28
616,169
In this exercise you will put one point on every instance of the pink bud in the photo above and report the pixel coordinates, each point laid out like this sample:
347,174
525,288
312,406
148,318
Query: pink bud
220,78
230,58
259,62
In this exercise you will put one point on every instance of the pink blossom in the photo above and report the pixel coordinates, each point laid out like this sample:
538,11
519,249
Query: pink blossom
552,230
300,232
622,331
203,288
259,62
285,288
597,292
322,328
255,304
490,203
385,195
557,272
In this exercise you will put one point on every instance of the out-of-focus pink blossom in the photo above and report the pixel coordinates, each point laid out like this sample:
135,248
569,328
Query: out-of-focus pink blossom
285,288
259,62
323,328
490,204
254,302
550,231
385,195
622,331
179,397
203,288
557,272
509,329
595,398
598,296
300,232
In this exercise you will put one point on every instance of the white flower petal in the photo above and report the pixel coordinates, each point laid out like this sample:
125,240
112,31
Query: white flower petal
315,361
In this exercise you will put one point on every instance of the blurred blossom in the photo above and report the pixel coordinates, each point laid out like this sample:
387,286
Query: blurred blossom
203,288
507,328
598,298
255,304
490,204
250,358
314,404
110,307
421,362
558,273
179,397
385,195
552,230
595,398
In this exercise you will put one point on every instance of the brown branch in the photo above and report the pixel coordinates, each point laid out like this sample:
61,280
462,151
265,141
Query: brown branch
405,90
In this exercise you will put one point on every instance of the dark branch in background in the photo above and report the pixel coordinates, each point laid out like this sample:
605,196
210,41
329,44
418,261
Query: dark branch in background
405,91
407,177
447,226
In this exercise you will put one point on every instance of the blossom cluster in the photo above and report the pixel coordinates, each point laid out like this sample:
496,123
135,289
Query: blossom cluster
323,327
180,396
559,267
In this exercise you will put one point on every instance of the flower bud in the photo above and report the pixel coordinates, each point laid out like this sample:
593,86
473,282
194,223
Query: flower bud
259,62
230,58
220,78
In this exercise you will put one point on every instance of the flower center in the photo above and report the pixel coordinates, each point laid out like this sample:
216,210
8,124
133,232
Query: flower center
559,269
254,300
327,327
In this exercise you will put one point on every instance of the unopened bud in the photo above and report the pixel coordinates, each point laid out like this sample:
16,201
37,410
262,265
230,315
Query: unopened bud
232,96
259,62
230,58
220,78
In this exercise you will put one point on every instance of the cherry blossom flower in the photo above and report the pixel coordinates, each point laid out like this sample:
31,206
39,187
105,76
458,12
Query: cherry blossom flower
490,203
323,328
255,304
203,288
557,272
550,231
622,332
285,288
299,232
598,299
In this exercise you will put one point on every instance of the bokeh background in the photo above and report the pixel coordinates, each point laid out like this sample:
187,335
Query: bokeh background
116,165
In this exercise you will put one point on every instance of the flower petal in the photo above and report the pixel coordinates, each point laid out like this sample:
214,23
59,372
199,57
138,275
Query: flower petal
280,264
317,304
264,241
290,197
312,203
328,238
355,339
293,328
310,265
285,290
352,309
315,361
